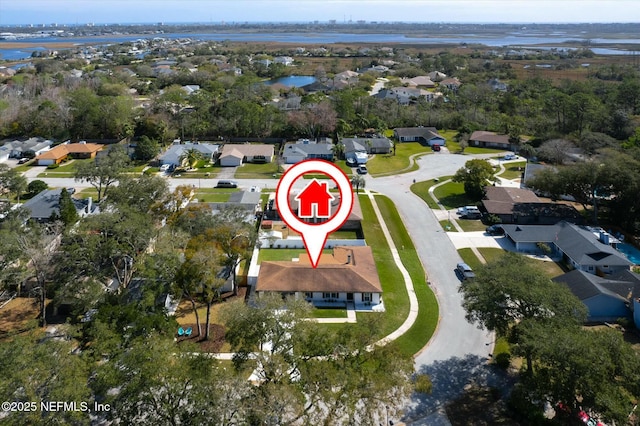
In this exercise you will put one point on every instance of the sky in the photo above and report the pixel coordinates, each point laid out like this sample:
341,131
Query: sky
216,11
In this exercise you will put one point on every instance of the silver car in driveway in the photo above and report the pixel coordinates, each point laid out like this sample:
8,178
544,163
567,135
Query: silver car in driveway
465,271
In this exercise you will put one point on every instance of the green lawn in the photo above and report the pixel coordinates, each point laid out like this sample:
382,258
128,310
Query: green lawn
384,164
447,226
513,170
550,269
343,166
396,300
469,258
421,189
86,193
452,195
257,171
214,195
26,166
328,313
471,225
424,327
343,235
67,169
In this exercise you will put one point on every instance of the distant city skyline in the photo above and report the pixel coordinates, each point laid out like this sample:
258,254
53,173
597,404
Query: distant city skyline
24,12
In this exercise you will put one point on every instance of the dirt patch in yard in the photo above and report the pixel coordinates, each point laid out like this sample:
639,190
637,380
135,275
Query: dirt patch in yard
214,344
18,315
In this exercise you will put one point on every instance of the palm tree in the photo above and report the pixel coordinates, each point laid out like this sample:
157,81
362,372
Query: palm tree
338,150
359,182
190,158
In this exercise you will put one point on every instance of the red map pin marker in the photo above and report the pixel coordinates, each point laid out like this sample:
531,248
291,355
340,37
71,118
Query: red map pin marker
314,201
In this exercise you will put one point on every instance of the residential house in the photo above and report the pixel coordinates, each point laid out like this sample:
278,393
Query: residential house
522,206
47,203
66,150
421,81
428,135
485,139
358,148
173,154
28,148
606,298
234,155
588,250
296,152
284,60
190,89
437,76
451,83
497,85
353,222
406,95
245,200
347,275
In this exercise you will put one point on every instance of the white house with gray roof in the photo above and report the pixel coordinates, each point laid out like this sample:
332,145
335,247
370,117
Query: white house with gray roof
296,152
174,152
47,202
578,246
28,148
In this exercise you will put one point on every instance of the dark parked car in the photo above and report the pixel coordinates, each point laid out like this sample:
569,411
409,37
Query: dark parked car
465,271
495,230
436,148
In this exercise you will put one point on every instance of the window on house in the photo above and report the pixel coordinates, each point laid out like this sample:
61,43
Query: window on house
308,295
591,268
366,297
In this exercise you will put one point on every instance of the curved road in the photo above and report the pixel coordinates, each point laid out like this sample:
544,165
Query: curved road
458,351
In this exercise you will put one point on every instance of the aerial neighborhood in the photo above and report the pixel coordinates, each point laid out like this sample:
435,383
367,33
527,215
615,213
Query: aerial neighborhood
494,233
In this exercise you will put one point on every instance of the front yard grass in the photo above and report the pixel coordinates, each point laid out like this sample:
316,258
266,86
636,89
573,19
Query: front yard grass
448,226
550,269
424,327
469,258
86,193
394,292
65,170
452,195
513,170
328,313
471,225
257,171
421,189
385,164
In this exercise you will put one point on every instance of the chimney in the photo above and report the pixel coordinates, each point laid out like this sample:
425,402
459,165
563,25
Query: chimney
89,204
348,259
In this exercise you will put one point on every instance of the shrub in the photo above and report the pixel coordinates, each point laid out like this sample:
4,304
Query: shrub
503,360
53,166
422,384
493,219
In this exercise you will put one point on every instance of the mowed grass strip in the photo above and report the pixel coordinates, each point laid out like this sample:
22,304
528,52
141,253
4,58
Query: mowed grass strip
394,292
424,327
383,164
421,189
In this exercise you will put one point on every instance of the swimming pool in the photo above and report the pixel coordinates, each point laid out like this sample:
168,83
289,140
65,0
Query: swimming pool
632,253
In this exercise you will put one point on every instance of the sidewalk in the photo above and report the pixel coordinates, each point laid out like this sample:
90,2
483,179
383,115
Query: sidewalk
413,300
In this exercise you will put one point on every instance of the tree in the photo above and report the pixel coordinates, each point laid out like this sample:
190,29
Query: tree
190,158
236,239
314,120
38,246
359,182
509,292
104,171
36,368
145,194
68,212
311,375
36,186
476,174
154,382
555,150
146,149
12,181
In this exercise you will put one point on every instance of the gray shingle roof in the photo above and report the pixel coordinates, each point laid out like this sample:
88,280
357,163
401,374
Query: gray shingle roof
308,149
172,155
44,204
585,286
